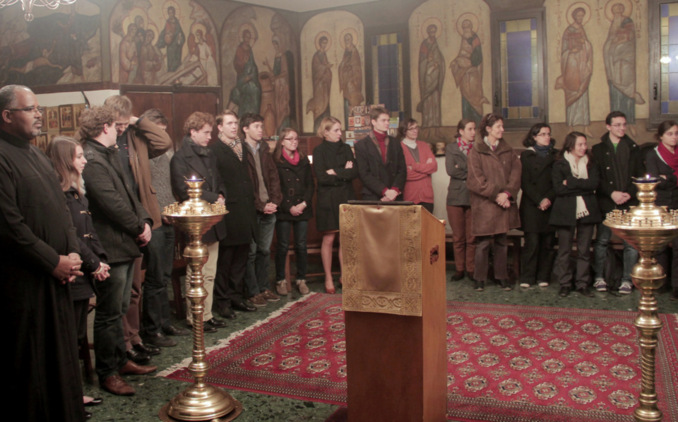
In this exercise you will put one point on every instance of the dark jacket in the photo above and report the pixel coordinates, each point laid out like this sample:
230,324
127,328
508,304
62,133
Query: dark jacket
489,174
118,216
667,189
537,184
296,184
333,190
269,172
564,209
606,159
241,220
375,175
193,160
91,251
457,167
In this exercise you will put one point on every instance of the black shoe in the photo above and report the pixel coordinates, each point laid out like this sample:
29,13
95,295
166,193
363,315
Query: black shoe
478,285
216,322
226,312
585,291
243,305
208,328
564,291
506,285
457,276
147,348
140,358
159,340
171,330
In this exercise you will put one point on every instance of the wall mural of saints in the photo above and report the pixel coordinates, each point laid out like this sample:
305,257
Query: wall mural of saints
431,74
258,66
57,47
321,76
163,42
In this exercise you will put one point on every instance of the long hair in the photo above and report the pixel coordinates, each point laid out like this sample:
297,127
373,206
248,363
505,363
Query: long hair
62,153
488,121
462,125
326,124
663,127
529,140
570,142
277,152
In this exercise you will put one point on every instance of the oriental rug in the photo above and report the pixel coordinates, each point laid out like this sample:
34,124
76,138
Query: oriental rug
505,363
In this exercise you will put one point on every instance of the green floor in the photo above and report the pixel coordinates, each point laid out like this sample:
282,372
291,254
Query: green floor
154,392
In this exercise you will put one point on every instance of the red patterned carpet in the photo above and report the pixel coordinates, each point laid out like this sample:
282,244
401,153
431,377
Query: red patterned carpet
505,363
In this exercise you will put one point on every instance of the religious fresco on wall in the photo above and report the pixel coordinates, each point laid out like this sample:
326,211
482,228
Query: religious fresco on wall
163,42
258,51
332,67
57,47
455,39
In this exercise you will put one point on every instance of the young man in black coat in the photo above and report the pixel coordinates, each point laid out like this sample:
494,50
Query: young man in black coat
618,159
381,163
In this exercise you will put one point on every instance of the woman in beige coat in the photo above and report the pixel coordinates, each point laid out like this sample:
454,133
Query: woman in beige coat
493,183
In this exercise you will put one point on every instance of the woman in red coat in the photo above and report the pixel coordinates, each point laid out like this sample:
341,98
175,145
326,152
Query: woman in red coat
421,164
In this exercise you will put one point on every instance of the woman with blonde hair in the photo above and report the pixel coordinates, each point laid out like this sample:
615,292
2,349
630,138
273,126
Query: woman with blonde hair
335,169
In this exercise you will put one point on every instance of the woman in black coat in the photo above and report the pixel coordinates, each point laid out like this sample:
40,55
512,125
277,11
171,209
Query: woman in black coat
575,179
535,206
296,184
662,162
335,169
69,162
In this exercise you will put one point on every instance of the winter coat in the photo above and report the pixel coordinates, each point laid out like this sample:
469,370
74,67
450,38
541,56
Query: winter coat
333,190
375,175
489,174
269,172
118,216
296,185
564,209
537,184
189,161
419,185
667,189
456,164
604,156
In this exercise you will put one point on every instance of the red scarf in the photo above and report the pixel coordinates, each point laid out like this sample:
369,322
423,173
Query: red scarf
671,158
294,160
465,147
381,141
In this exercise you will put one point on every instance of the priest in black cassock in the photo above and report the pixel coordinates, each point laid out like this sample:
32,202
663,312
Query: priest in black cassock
38,258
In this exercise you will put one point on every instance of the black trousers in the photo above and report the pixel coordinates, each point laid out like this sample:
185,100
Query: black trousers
229,283
536,258
563,268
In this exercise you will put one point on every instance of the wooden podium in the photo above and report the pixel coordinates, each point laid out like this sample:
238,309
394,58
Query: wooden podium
394,302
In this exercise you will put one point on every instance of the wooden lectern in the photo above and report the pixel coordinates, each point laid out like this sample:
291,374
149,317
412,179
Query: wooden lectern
394,302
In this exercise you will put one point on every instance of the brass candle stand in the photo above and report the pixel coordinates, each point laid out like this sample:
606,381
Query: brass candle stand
648,228
200,401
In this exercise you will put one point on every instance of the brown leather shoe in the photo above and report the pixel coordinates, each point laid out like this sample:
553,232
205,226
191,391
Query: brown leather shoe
132,368
116,385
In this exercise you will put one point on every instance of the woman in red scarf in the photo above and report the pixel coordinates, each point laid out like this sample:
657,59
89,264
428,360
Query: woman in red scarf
296,184
662,162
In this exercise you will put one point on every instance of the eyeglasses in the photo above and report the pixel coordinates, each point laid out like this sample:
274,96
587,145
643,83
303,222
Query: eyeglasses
290,139
32,109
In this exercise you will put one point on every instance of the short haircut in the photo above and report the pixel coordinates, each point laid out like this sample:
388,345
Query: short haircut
8,95
121,105
378,111
247,120
155,115
326,124
405,125
612,115
488,121
529,140
196,121
62,152
92,121
462,125
220,117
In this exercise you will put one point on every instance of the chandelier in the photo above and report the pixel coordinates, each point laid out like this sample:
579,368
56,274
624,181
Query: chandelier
27,5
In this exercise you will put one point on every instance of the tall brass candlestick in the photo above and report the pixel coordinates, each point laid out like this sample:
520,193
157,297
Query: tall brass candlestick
200,401
648,228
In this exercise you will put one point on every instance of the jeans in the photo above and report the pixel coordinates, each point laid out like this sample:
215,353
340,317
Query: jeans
160,254
562,269
283,234
256,278
112,302
600,251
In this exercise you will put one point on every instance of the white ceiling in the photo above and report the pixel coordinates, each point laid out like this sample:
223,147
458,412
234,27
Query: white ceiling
304,5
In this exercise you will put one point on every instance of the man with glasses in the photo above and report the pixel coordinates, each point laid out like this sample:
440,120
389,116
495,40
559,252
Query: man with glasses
38,255
618,159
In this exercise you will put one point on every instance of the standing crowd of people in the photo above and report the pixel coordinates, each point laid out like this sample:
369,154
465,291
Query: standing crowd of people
105,236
